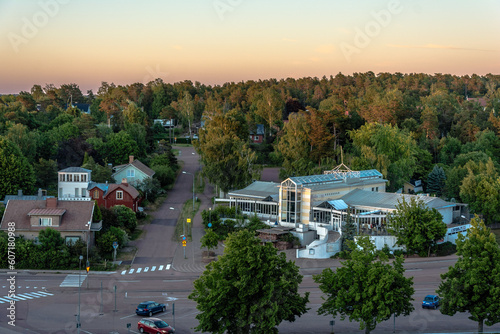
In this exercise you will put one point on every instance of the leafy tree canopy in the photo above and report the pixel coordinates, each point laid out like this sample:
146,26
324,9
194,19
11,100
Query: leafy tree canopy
473,284
366,289
249,289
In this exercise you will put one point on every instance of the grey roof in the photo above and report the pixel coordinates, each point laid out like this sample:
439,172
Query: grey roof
383,200
75,170
24,198
324,178
258,190
340,184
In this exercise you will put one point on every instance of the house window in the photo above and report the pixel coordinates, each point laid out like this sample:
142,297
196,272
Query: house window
62,177
96,194
119,195
131,173
70,178
84,177
77,178
84,192
71,240
45,221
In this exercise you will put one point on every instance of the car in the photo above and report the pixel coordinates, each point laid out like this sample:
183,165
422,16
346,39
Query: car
154,326
149,308
431,301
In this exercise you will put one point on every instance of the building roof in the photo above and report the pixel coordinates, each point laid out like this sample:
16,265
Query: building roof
125,187
258,190
76,216
75,170
330,178
389,201
102,186
136,164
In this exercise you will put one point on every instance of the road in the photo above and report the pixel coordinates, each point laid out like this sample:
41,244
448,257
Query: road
160,273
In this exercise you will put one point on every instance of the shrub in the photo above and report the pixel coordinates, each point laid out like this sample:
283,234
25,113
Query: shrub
446,248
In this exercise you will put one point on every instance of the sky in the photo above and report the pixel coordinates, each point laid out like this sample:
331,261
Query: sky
217,41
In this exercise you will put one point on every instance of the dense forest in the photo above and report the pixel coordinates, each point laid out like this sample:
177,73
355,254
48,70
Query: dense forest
441,129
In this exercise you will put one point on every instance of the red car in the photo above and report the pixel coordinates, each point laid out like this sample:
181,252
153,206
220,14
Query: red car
154,326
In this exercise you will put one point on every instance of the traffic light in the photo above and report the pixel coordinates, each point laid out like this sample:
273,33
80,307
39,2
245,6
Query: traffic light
88,268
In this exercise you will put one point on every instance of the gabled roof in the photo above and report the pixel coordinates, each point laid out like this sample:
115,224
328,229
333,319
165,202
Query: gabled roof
389,201
75,170
259,190
134,193
102,186
76,214
259,130
136,164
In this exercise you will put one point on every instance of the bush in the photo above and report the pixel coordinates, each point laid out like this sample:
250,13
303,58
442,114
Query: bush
446,248
345,255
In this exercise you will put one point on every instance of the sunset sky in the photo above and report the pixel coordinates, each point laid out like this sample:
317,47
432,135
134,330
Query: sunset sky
217,41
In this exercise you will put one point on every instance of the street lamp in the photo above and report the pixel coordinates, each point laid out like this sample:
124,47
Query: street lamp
87,263
184,172
78,324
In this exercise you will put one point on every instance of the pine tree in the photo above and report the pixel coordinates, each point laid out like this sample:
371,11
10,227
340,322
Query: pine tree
436,180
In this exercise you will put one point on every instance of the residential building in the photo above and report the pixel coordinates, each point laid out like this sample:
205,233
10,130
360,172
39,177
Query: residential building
109,195
73,219
134,171
73,183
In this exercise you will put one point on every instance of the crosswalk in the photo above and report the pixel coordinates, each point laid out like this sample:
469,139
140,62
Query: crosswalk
146,269
72,281
24,296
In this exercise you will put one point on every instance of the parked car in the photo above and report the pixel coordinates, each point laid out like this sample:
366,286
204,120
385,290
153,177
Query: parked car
149,308
154,326
430,301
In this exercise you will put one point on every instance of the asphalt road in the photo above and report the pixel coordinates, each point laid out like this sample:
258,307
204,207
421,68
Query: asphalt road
108,300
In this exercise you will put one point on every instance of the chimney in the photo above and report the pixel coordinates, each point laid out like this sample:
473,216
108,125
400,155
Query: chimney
124,181
40,193
51,203
20,192
130,159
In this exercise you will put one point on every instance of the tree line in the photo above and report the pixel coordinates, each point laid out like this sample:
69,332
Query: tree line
408,126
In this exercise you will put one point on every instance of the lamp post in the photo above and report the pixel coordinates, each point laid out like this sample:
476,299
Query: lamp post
87,263
184,172
79,288
183,233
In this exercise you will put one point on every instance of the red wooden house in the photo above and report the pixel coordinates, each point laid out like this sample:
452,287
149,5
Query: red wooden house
109,195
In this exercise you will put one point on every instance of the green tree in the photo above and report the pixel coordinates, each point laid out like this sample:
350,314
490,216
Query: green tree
388,149
436,181
15,169
416,226
473,284
125,217
349,230
120,146
210,239
294,147
366,289
228,160
269,106
481,190
249,289
46,173
50,239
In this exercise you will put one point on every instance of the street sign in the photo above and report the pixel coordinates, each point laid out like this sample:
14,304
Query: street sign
189,220
183,237
115,244
209,225
183,243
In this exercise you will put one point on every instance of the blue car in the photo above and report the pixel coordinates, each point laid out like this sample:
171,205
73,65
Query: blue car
430,301
149,308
